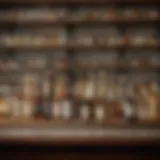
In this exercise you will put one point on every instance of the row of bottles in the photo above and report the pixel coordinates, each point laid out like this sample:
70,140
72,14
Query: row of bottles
114,58
47,35
32,61
111,35
57,35
101,96
53,60
82,13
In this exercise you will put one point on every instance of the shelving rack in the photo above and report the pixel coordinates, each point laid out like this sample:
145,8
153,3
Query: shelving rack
43,131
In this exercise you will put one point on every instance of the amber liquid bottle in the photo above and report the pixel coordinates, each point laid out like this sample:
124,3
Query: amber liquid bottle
82,109
62,105
100,110
153,101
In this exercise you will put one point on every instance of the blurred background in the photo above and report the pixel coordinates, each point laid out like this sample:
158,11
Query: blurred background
80,73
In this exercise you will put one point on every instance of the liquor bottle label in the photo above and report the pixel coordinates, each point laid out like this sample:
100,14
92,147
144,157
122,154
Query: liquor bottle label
128,110
99,112
89,91
66,110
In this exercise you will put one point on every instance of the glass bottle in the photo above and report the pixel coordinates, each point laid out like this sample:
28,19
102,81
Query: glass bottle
100,112
153,101
62,105
56,109
129,110
66,109
141,96
89,92
99,107
60,86
29,94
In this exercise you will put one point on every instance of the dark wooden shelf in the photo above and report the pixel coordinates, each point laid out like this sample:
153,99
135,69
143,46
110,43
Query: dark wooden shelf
120,67
76,47
88,67
34,47
78,22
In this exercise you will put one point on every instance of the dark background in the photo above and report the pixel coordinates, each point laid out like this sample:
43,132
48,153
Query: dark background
81,152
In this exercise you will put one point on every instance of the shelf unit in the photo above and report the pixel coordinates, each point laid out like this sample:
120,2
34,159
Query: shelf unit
29,130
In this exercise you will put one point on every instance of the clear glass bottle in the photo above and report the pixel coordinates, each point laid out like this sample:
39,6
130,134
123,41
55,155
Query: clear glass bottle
62,106
66,109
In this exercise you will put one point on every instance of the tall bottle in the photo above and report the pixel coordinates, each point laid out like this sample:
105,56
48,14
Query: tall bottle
153,101
62,106
141,96
100,110
16,102
79,86
86,108
29,94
